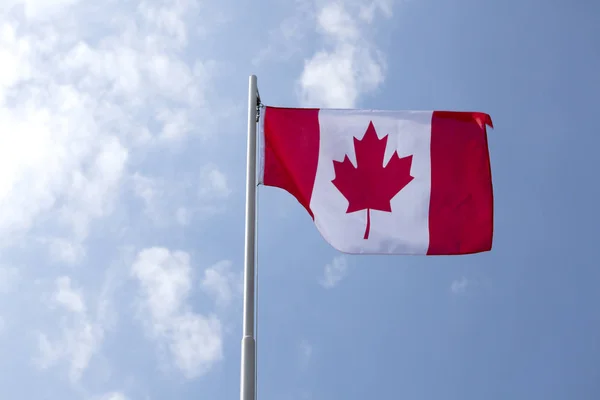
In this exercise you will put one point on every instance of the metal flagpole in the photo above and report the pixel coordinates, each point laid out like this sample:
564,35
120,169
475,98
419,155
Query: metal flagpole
248,363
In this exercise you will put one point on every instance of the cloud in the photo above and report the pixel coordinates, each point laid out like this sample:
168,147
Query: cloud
42,164
221,283
196,343
334,272
54,158
81,334
112,396
168,202
461,285
213,191
351,65
288,38
213,183
78,109
64,250
68,297
368,10
36,10
175,124
165,279
334,21
91,96
153,193
145,188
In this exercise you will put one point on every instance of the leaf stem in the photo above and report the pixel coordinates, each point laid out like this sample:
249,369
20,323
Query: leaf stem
368,224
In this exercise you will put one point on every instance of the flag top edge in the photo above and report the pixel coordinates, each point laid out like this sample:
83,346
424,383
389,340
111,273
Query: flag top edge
482,119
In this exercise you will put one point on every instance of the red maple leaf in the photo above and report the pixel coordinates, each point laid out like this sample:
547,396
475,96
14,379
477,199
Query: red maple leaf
371,185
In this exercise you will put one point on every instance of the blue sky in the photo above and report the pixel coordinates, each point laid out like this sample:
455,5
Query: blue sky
122,168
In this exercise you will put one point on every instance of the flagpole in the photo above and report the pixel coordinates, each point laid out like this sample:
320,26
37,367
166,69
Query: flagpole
248,362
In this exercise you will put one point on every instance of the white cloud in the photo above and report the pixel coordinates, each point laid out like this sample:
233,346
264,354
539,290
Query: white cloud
460,286
67,296
169,17
165,281
336,78
352,65
145,188
221,283
89,93
157,195
78,109
112,396
42,163
334,272
213,183
43,9
162,198
165,278
176,124
196,343
81,334
334,21
289,37
151,192
91,194
64,250
54,158
367,11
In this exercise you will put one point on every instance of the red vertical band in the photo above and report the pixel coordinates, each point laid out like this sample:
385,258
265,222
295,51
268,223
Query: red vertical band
461,214
291,146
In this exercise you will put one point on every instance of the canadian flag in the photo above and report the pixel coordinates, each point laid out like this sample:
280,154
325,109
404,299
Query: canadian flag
384,182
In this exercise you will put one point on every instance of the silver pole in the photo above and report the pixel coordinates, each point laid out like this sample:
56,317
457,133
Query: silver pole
248,370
